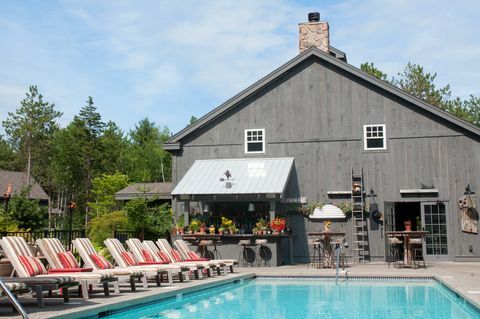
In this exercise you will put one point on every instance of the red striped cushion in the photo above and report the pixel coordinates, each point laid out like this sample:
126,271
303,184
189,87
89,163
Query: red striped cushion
67,260
192,255
147,256
101,261
176,255
128,258
32,265
163,257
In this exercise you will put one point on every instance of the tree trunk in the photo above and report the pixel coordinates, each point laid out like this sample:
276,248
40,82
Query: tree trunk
29,165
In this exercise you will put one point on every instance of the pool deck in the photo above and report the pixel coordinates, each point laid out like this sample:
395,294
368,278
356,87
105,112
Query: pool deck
462,277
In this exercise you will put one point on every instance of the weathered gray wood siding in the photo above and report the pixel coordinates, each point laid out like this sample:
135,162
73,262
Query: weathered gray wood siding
316,114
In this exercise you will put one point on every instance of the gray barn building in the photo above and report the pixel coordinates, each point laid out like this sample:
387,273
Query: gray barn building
331,118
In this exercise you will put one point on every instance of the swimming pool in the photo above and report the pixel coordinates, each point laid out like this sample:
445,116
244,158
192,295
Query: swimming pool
311,298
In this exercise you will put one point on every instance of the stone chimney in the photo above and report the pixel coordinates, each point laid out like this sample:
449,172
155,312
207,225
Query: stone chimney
314,33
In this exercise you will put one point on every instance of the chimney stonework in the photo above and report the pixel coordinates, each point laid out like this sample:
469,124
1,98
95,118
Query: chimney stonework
314,34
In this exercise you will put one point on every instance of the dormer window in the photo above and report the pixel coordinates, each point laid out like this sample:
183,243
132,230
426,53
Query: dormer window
255,141
374,137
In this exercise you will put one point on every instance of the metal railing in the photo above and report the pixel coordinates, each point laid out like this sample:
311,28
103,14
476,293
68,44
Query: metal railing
13,300
65,236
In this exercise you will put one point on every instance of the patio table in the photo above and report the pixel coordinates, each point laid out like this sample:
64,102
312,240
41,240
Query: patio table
407,248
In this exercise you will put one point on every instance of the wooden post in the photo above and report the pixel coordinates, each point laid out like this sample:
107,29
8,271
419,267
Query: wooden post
272,209
186,213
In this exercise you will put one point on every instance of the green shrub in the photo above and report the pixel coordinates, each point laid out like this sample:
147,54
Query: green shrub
103,227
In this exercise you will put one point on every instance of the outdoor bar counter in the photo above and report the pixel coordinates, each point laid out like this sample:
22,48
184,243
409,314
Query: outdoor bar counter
228,246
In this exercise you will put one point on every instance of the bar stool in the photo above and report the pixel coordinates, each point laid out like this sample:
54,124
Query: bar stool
316,258
395,249
244,259
203,247
336,243
417,252
215,252
264,254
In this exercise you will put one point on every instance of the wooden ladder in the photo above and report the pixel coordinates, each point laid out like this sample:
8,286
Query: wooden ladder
359,222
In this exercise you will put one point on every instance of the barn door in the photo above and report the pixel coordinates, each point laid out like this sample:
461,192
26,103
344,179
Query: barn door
389,224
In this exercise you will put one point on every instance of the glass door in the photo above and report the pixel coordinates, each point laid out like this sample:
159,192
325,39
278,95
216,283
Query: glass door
434,221
389,225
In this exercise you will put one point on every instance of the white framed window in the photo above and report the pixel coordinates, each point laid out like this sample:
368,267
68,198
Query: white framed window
255,141
374,137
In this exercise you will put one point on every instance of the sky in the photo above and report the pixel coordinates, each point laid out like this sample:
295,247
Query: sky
169,60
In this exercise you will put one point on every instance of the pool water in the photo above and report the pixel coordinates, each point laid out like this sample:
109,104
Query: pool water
272,299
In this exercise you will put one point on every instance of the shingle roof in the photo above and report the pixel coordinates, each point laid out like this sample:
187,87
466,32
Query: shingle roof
174,143
18,181
147,190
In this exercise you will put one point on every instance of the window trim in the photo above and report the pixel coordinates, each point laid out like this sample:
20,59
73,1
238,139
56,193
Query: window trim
246,142
365,148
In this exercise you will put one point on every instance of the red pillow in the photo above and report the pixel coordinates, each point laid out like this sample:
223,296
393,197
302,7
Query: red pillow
32,265
176,255
147,256
128,258
163,257
67,260
100,261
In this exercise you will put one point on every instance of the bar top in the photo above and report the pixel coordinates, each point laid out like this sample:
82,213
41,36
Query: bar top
330,233
216,236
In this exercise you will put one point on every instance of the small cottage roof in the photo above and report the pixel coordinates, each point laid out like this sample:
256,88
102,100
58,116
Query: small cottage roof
17,182
146,190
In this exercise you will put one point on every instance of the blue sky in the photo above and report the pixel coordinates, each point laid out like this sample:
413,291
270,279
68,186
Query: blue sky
168,60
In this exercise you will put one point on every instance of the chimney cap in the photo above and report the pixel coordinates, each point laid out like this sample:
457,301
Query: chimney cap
314,17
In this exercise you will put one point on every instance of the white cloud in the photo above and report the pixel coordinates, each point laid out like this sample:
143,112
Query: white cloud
171,59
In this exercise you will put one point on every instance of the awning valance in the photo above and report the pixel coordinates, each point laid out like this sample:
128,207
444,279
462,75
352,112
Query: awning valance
246,176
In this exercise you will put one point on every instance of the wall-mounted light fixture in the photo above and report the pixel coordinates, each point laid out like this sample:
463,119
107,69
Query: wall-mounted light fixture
206,208
251,207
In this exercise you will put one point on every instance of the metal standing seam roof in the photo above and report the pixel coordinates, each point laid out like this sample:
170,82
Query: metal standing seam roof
249,176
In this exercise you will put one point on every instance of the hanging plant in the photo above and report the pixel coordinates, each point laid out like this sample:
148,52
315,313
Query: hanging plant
307,210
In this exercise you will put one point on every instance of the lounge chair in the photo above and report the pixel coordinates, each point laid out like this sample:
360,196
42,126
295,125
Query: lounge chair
60,259
175,257
145,257
26,265
126,259
189,254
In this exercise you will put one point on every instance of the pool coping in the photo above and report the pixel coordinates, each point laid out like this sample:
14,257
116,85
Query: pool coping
93,310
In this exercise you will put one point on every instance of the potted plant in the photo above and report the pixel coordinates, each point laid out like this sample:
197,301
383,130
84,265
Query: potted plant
277,225
203,228
233,230
408,225
211,230
326,226
180,225
195,225
261,226
220,230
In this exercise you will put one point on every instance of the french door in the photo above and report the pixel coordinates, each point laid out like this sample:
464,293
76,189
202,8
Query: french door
434,221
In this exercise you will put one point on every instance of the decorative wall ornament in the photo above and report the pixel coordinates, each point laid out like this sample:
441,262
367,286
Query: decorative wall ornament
468,213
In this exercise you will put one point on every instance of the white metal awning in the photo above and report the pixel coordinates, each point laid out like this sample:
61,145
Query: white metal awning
327,211
248,176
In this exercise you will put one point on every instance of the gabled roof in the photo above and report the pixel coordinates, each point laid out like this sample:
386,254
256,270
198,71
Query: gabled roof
146,190
18,181
174,143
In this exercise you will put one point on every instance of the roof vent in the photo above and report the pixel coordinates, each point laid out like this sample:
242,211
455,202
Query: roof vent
314,17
